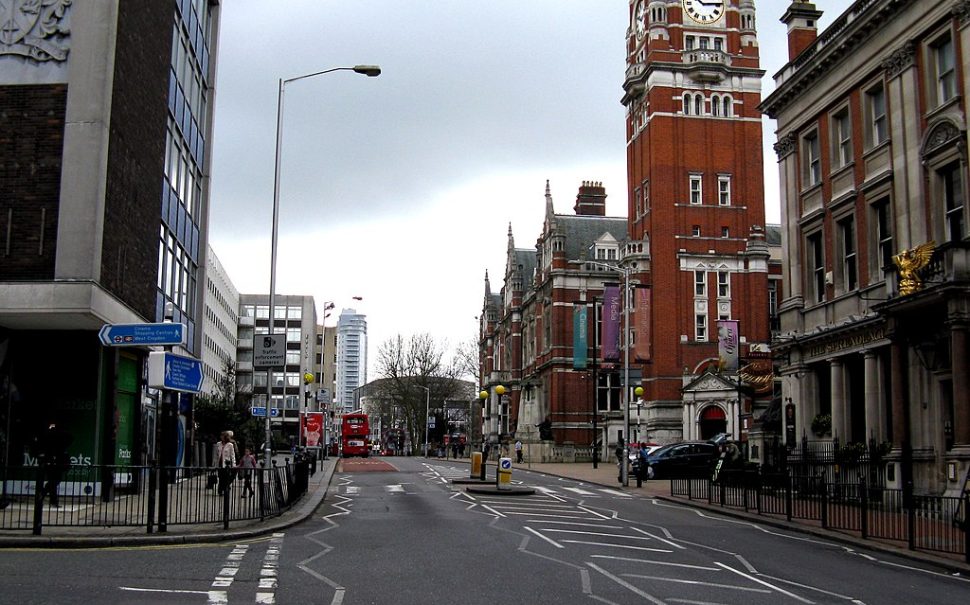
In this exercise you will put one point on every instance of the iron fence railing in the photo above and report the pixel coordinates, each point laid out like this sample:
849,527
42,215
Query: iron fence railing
152,496
922,522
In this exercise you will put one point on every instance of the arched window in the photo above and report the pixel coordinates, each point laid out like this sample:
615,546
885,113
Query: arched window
698,105
715,105
727,106
686,104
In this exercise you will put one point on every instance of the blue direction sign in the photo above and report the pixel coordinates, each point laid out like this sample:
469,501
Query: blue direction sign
142,335
174,372
261,411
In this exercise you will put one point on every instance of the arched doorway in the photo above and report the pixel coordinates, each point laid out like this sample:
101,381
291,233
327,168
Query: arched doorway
712,422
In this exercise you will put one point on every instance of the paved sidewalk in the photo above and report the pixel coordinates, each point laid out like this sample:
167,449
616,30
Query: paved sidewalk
97,536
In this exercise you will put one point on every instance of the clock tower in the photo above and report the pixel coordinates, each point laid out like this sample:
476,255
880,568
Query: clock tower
696,212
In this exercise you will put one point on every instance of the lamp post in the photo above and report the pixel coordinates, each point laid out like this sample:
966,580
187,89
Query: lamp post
500,391
427,413
367,70
624,393
638,392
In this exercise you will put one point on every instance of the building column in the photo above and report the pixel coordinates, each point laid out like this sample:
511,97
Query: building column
840,416
961,383
874,398
900,412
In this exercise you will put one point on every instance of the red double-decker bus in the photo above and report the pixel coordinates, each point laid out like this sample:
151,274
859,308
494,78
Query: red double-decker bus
355,435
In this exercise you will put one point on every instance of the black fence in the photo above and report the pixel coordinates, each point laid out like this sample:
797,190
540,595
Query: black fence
153,497
932,523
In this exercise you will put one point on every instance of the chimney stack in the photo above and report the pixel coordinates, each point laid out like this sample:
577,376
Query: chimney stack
802,21
591,199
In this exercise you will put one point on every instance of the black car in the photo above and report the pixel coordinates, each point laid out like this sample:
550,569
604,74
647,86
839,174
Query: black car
682,460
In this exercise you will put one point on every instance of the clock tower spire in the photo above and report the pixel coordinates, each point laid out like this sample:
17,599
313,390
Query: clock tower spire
695,199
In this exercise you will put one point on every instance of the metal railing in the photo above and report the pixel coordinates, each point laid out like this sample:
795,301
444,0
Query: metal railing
131,496
921,522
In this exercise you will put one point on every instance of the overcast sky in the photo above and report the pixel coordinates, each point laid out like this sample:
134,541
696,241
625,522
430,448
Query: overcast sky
400,189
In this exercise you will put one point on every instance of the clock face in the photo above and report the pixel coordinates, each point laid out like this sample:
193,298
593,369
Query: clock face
704,11
641,19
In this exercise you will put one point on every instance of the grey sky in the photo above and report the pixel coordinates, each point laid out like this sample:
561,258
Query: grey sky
400,188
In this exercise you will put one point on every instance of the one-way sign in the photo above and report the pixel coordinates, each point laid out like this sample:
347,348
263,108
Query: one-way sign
142,335
174,372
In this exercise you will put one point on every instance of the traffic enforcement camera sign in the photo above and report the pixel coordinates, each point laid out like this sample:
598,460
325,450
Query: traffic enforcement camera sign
269,350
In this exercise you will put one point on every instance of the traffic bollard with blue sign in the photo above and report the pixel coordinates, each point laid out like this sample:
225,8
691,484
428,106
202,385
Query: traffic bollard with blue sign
503,475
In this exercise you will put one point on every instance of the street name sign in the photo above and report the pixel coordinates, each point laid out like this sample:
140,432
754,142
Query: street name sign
261,411
174,372
142,335
269,350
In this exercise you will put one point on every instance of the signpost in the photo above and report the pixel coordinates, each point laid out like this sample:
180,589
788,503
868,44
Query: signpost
260,411
142,335
174,372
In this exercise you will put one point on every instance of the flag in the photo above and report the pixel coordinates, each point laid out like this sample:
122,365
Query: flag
643,313
727,345
610,344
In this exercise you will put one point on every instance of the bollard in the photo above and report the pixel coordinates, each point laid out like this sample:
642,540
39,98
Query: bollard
476,465
503,474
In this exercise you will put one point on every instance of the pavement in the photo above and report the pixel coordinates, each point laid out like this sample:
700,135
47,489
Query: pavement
605,475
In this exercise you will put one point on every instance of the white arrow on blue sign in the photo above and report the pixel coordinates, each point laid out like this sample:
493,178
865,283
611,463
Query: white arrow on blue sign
174,372
259,410
142,335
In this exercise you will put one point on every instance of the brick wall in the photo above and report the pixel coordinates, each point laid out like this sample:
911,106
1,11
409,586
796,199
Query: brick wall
31,141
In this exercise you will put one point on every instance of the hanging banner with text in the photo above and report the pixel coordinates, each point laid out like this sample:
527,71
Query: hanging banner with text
727,344
579,336
610,334
643,312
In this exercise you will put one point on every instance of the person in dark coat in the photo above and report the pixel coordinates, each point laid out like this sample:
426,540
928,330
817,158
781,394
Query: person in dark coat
56,461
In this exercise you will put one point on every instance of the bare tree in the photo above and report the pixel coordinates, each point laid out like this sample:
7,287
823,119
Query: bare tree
466,360
406,368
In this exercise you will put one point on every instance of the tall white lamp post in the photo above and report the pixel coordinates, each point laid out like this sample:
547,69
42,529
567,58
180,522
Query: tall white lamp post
427,414
367,70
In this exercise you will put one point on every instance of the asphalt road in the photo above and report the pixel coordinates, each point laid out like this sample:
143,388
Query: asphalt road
395,530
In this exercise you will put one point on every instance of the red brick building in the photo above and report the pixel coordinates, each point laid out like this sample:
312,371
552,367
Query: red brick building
693,245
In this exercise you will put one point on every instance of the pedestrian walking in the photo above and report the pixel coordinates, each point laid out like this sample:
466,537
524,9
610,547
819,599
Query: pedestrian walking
518,451
247,466
56,461
227,461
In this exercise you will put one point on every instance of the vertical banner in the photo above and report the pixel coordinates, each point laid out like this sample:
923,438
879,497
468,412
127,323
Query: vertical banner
312,428
580,339
610,344
644,310
727,344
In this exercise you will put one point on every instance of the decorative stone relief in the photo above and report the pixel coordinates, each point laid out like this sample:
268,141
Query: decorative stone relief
901,59
786,145
941,135
35,29
962,11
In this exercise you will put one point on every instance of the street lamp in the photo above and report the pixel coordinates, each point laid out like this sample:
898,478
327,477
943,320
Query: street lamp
367,70
500,390
624,393
639,395
427,413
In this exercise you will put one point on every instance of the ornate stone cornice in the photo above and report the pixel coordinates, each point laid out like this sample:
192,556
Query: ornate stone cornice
35,29
786,146
900,60
962,11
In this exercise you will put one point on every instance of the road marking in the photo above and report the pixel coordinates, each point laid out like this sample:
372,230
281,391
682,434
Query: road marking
268,583
807,587
593,533
696,582
651,562
214,596
596,525
664,540
626,584
545,515
395,489
581,491
762,582
230,567
613,492
492,510
593,512
549,540
689,602
625,546
352,490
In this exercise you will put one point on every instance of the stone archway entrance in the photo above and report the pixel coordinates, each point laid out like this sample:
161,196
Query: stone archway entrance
712,422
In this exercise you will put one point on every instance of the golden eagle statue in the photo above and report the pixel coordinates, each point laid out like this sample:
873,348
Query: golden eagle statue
909,262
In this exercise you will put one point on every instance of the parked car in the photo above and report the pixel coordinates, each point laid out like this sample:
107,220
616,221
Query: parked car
681,460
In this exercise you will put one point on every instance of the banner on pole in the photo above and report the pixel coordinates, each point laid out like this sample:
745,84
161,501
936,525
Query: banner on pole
727,344
579,336
610,334
644,310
